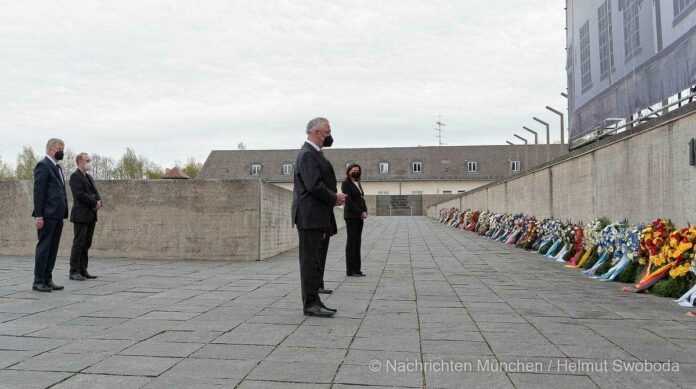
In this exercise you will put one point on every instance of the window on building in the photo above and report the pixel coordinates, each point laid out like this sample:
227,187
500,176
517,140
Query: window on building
416,192
631,29
383,167
417,167
515,166
472,167
383,192
585,65
606,42
446,192
461,191
287,168
682,7
570,70
255,170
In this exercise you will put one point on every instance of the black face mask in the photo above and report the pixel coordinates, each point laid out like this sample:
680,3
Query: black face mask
328,141
58,155
356,176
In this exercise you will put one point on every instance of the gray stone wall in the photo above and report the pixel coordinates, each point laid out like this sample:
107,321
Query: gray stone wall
168,219
428,201
639,176
277,234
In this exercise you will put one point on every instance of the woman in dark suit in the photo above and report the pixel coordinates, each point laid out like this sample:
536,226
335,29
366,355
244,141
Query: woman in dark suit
355,213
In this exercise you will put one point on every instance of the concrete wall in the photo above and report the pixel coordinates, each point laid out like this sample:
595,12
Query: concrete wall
427,187
170,219
640,175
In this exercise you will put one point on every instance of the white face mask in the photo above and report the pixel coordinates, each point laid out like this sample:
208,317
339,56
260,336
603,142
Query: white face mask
89,166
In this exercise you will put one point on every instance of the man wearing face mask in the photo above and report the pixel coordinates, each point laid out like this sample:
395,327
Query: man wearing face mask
314,196
50,208
86,203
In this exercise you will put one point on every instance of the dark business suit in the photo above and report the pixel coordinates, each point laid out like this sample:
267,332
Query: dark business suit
51,203
352,213
84,219
314,197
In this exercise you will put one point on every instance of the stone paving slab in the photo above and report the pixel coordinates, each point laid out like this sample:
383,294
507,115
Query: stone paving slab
439,308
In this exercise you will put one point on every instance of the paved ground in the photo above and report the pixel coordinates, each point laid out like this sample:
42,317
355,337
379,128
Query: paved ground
440,308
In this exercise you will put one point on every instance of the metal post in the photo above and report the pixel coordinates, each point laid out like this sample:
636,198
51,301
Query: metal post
526,148
536,135
536,147
559,113
548,139
510,143
521,138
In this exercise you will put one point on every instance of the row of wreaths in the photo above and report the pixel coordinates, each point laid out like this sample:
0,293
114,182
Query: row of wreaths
654,257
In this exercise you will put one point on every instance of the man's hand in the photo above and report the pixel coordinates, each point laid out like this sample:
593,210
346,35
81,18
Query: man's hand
39,224
98,207
364,215
340,199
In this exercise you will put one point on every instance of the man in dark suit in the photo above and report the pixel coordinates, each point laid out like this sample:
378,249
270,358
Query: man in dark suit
314,196
50,208
86,203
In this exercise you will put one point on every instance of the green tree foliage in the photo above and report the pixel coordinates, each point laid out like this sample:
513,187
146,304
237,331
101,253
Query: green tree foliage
6,172
130,166
192,167
153,171
26,161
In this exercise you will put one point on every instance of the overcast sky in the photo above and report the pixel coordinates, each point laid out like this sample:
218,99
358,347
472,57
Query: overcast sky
174,79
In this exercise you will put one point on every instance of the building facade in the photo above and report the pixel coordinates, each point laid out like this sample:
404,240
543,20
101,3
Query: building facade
390,170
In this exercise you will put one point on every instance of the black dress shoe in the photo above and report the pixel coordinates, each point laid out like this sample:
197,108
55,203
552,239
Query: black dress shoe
77,277
327,308
324,291
41,287
317,310
361,274
87,275
53,286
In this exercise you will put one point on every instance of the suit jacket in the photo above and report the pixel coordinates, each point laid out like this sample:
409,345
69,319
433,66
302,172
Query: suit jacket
50,201
355,203
314,192
85,197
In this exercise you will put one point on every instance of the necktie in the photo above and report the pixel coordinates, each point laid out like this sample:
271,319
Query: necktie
60,174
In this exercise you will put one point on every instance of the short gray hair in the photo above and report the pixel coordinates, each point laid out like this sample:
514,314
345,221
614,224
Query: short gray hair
314,123
52,142
79,157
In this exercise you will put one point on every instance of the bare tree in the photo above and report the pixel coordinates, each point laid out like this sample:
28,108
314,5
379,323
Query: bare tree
103,167
68,163
241,146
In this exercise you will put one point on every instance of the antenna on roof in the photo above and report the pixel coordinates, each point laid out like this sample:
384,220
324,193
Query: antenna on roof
440,124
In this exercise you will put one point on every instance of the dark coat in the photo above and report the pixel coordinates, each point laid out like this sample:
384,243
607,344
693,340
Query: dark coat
50,200
85,197
355,202
314,192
